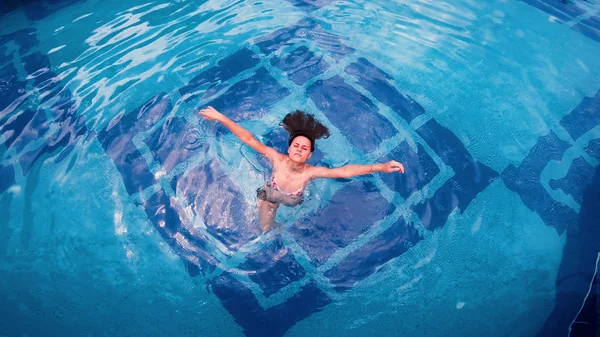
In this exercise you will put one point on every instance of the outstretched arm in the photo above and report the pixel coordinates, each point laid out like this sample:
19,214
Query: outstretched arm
353,170
244,135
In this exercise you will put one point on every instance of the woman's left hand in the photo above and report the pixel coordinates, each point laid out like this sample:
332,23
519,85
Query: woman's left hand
393,166
211,114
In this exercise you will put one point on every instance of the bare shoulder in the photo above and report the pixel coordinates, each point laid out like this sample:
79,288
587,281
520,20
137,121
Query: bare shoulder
274,155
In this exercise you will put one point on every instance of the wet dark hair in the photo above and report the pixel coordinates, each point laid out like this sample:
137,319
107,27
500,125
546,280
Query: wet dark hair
300,123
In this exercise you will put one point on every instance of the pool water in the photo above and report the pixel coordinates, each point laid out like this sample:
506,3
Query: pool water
122,213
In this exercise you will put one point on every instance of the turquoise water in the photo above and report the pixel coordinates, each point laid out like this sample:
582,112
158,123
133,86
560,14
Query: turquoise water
123,214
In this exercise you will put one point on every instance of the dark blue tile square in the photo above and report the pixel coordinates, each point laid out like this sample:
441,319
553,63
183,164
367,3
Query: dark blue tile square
250,98
351,112
419,169
376,81
238,299
446,145
584,117
369,258
281,37
310,5
37,10
50,147
458,191
273,268
225,69
577,179
11,88
191,247
525,180
593,149
351,212
564,10
26,39
221,206
7,177
589,31
305,29
301,65
116,139
12,126
37,66
175,142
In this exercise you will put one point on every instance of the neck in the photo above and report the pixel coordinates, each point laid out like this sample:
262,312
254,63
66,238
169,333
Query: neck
295,166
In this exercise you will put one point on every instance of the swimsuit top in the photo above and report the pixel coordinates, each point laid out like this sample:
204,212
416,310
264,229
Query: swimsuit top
274,185
295,194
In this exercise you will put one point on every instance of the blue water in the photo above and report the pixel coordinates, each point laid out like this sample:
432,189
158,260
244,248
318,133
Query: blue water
124,214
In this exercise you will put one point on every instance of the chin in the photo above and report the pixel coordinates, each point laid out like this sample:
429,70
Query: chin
298,159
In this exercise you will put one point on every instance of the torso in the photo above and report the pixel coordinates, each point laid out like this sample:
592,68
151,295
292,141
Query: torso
287,180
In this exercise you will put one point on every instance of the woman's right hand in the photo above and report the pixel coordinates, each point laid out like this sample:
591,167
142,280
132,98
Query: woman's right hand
211,114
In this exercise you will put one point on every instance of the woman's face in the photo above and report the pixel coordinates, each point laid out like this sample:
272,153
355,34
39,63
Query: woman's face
299,150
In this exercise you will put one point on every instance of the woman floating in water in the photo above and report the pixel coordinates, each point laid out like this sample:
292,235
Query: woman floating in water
291,173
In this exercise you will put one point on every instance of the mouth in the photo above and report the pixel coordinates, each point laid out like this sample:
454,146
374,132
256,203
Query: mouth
297,154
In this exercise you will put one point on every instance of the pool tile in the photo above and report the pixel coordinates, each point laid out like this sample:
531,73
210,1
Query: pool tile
351,211
446,145
29,158
301,65
366,260
62,140
250,98
7,177
310,5
590,27
525,180
11,88
593,149
351,112
577,179
274,321
306,28
563,10
583,118
11,126
377,82
167,223
226,68
116,139
419,169
38,10
38,64
470,176
34,129
457,192
175,142
5,58
219,204
273,268
26,39
32,126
